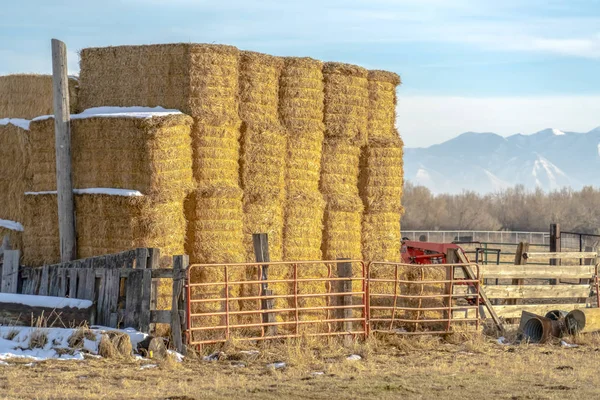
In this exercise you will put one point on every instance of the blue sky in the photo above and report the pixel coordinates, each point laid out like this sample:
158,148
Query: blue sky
504,66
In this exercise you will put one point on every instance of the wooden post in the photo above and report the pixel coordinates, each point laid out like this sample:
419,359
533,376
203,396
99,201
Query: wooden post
62,128
522,248
344,270
554,246
261,252
451,258
178,324
10,271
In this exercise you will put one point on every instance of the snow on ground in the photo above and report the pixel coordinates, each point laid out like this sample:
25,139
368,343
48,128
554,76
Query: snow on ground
21,123
119,112
108,191
12,225
44,301
16,343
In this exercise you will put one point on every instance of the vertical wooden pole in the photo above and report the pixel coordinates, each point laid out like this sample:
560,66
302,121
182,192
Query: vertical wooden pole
62,127
178,324
554,246
260,242
522,248
344,270
451,258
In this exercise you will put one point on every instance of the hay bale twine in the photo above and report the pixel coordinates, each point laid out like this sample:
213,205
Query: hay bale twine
382,103
28,95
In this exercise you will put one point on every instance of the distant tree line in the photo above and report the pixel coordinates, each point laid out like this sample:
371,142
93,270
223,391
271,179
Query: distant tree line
515,209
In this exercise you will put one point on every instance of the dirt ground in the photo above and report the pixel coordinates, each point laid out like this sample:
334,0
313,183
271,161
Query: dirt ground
460,366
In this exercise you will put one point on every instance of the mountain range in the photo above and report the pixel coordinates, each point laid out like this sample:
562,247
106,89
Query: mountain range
487,162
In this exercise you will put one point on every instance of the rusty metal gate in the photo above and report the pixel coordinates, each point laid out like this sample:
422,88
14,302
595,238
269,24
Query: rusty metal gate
270,300
421,298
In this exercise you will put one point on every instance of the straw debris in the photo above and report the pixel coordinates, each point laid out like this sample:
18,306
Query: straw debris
28,95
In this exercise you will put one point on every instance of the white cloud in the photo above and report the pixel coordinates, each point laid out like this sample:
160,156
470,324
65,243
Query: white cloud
426,120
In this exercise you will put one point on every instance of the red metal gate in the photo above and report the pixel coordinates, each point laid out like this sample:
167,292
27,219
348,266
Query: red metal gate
250,301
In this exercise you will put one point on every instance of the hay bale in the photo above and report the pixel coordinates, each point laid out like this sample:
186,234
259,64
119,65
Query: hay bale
105,224
198,79
340,168
303,230
29,95
380,184
13,166
303,163
342,228
216,154
346,101
15,237
154,154
382,103
115,344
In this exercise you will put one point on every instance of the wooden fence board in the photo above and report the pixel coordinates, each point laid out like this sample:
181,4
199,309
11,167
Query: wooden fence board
531,291
559,255
10,271
537,271
514,311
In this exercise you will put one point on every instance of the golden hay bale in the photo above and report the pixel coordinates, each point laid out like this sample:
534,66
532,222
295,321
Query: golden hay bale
340,167
13,165
199,79
28,95
382,103
346,101
264,218
381,175
105,224
303,163
381,236
342,227
259,89
154,154
303,230
301,95
215,225
216,154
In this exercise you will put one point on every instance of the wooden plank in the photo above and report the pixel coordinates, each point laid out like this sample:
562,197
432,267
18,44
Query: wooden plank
514,311
61,274
344,270
146,290
260,242
141,258
531,291
537,271
81,282
164,316
100,307
45,281
133,298
180,264
72,275
53,279
560,256
522,248
113,297
10,271
62,128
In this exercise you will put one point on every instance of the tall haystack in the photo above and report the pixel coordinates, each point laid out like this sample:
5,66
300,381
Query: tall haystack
382,103
263,151
144,151
107,223
28,96
346,111
301,112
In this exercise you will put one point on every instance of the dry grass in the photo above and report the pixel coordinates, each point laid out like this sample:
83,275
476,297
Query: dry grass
409,368
28,95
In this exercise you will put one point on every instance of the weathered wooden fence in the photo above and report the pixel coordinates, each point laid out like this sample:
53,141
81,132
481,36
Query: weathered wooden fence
122,286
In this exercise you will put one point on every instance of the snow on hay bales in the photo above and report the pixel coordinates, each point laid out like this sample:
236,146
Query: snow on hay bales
301,112
382,103
149,154
106,223
13,163
28,95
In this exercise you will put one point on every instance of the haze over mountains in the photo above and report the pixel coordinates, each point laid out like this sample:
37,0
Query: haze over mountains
487,162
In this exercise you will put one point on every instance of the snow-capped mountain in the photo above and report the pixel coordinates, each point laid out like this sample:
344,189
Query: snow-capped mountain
487,162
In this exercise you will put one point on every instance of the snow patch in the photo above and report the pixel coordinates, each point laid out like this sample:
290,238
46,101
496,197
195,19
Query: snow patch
19,122
12,225
44,301
557,132
119,112
108,191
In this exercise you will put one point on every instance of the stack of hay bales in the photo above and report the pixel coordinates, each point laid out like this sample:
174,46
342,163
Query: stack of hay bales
301,112
346,110
28,96
131,173
13,161
382,172
262,165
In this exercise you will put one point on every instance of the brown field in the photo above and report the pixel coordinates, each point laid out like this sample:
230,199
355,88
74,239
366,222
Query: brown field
459,366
